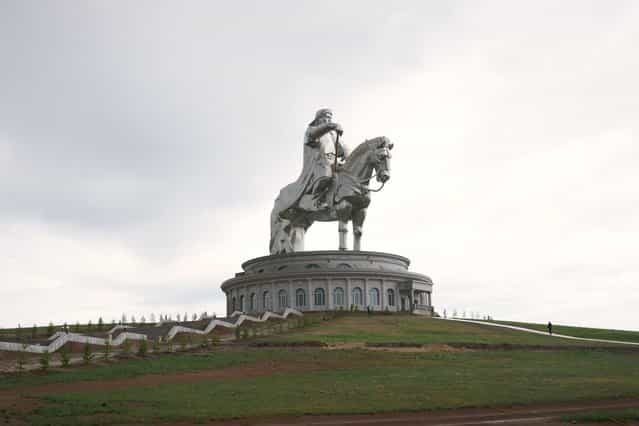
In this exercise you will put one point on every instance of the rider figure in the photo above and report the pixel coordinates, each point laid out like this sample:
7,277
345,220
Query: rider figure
322,139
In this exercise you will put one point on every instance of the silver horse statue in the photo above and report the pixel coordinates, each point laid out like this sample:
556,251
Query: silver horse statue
348,198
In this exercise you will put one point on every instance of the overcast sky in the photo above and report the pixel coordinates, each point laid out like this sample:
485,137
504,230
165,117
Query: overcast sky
142,145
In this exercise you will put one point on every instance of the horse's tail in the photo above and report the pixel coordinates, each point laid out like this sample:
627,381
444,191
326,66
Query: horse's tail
280,240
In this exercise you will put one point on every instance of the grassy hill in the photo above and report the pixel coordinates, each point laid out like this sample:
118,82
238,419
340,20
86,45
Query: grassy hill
241,380
589,333
350,328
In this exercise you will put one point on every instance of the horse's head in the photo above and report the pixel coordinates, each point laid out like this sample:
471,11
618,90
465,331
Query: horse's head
372,155
381,158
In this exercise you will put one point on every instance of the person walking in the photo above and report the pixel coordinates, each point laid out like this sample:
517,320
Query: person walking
549,328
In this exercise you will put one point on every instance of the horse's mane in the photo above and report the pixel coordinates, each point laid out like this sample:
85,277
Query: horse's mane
364,146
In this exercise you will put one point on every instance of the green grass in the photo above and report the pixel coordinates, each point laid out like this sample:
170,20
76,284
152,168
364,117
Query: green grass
604,416
351,328
360,381
590,333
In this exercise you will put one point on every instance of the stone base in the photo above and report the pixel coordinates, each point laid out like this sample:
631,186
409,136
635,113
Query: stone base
328,280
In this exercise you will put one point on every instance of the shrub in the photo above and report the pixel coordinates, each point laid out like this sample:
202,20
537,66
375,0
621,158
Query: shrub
86,353
65,359
20,360
107,348
142,348
126,347
156,345
44,360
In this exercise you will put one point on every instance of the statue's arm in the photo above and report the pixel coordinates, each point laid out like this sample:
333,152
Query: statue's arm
315,132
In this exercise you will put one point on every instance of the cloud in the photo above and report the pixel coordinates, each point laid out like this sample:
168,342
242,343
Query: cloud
139,161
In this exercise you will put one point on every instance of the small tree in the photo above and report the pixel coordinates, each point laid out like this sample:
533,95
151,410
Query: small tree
86,353
77,327
100,324
123,320
65,359
142,348
50,329
152,317
89,325
44,360
178,317
215,340
20,360
126,347
143,320
133,319
107,348
194,317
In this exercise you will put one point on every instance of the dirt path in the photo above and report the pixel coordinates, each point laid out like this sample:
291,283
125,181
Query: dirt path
547,414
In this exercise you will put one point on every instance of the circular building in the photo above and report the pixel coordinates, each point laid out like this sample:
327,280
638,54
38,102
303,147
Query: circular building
328,280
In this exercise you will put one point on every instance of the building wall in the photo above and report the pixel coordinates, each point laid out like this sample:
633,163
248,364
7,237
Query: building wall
309,286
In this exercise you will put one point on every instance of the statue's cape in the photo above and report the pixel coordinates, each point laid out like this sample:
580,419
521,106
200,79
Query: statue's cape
317,165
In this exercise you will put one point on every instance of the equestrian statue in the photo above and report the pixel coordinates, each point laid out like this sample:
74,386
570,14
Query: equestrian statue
333,186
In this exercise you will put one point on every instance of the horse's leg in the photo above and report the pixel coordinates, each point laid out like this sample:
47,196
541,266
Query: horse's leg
343,210
358,221
343,234
297,238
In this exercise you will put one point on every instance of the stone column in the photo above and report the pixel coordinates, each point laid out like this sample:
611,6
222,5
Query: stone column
272,292
382,296
365,296
309,296
347,295
329,299
290,298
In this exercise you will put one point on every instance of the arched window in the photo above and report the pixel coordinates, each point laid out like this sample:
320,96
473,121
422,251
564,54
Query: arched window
319,297
252,302
281,268
233,304
266,301
373,297
344,266
391,297
338,296
357,296
242,303
300,297
282,297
